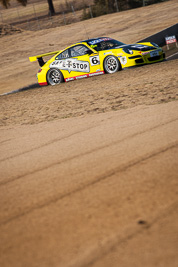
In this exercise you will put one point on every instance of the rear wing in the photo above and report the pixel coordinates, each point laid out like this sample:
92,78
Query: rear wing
40,57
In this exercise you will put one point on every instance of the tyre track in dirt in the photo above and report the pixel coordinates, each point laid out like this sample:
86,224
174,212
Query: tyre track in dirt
65,169
93,182
53,140
57,140
76,156
127,231
111,244
44,145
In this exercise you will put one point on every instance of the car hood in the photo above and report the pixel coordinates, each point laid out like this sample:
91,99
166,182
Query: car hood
138,47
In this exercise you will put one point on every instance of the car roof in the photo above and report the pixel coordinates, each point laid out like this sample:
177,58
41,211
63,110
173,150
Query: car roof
90,40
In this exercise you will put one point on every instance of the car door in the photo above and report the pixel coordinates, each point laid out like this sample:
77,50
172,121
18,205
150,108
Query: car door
78,61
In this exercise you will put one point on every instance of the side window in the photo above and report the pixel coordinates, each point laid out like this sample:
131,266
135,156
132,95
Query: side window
75,51
64,54
79,50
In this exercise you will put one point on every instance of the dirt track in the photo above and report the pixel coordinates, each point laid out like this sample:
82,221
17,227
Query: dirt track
91,191
89,168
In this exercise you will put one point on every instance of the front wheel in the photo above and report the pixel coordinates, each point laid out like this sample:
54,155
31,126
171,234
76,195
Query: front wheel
111,64
54,76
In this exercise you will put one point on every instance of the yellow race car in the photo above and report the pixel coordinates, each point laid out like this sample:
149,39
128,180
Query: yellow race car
94,57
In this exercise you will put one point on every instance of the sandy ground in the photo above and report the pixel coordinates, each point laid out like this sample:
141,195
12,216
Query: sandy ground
91,191
88,169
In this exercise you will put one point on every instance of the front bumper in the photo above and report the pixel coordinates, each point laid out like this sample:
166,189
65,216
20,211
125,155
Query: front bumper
145,58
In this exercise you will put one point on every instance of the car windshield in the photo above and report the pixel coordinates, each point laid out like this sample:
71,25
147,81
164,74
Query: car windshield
104,44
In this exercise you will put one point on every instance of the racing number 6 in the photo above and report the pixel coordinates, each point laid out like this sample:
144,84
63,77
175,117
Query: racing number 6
95,61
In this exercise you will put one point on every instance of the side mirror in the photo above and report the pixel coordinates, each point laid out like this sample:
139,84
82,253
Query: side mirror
89,52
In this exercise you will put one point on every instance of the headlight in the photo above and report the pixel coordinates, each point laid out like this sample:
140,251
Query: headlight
154,44
128,51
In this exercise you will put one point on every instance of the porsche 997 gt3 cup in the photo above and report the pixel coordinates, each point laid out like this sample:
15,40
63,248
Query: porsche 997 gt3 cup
94,57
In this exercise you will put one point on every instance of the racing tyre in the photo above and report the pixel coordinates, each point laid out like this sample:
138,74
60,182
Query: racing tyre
54,76
111,64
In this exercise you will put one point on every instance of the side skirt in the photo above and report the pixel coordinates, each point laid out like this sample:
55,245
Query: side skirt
84,76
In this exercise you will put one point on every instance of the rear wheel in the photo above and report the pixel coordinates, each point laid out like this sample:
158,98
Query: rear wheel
54,76
111,64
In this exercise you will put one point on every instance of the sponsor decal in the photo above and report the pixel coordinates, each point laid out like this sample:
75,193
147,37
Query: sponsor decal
81,76
95,60
69,79
123,60
95,73
139,46
154,53
71,64
108,53
170,39
145,53
118,47
99,41
84,76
